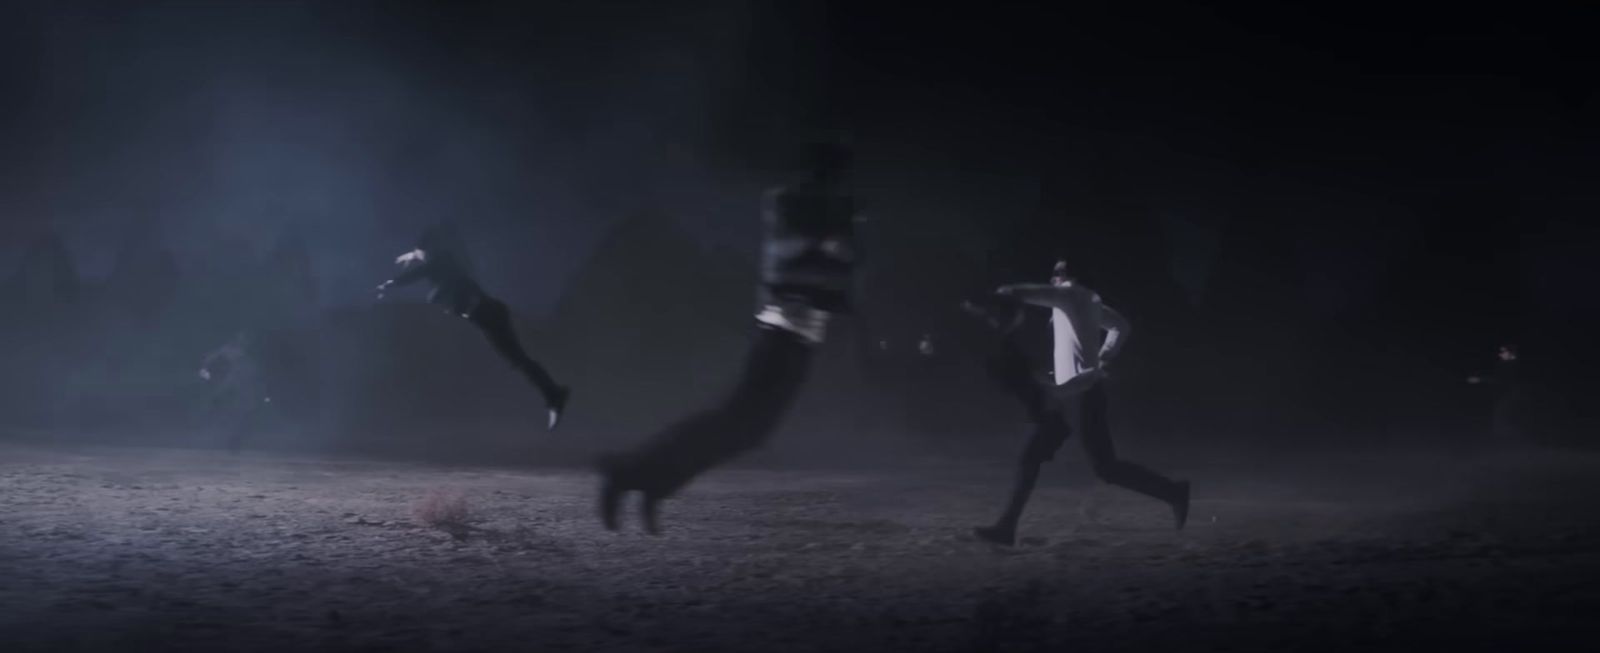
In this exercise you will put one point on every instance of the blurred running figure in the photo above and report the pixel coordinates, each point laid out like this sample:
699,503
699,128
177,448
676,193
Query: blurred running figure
806,269
1503,426
1082,353
239,399
436,260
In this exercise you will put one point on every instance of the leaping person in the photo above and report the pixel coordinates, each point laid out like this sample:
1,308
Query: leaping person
807,261
436,261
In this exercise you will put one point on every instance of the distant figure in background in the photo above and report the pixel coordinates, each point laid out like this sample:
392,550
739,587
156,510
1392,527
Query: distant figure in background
1088,337
807,264
239,398
437,259
1504,380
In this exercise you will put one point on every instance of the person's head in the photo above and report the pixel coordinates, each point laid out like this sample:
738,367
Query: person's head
1507,352
1058,274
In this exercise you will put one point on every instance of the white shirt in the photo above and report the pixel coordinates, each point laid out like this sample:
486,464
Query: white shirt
1078,317
797,318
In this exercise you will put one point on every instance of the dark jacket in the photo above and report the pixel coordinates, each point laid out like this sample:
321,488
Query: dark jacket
453,287
809,247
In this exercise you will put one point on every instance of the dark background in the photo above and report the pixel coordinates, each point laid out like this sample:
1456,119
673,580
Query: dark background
1319,221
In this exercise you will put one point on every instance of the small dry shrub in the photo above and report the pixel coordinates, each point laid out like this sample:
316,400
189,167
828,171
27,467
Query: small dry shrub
443,509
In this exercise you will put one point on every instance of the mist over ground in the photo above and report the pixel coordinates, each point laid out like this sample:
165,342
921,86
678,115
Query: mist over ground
1318,258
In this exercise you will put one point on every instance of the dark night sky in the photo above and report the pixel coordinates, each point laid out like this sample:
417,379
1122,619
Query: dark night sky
540,127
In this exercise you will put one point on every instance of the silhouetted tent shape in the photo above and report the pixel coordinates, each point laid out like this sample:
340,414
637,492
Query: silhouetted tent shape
46,274
144,277
221,289
651,324
36,325
129,361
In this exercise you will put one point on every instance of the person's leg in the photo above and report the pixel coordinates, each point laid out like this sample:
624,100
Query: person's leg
1103,458
494,320
1049,432
774,370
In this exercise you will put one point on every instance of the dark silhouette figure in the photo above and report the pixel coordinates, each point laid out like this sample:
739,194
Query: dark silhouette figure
239,399
1079,398
807,261
1503,428
438,261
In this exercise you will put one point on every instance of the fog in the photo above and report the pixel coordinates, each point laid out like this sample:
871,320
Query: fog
178,172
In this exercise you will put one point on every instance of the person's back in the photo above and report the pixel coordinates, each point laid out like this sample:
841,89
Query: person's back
452,285
809,248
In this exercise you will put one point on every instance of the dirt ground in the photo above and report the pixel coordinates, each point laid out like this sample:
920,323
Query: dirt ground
139,549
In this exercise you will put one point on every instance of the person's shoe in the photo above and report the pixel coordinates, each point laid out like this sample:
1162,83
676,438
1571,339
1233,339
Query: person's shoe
996,535
556,404
1180,505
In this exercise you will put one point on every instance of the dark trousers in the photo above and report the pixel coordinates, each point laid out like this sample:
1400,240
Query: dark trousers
1088,412
774,370
493,318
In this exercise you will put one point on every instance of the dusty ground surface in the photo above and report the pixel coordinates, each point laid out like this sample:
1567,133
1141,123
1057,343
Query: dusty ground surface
108,549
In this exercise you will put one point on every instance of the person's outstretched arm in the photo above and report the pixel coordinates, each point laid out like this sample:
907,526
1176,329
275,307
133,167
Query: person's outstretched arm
1117,330
414,266
1036,294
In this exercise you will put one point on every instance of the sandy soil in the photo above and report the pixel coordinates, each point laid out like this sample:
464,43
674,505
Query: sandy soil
107,549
